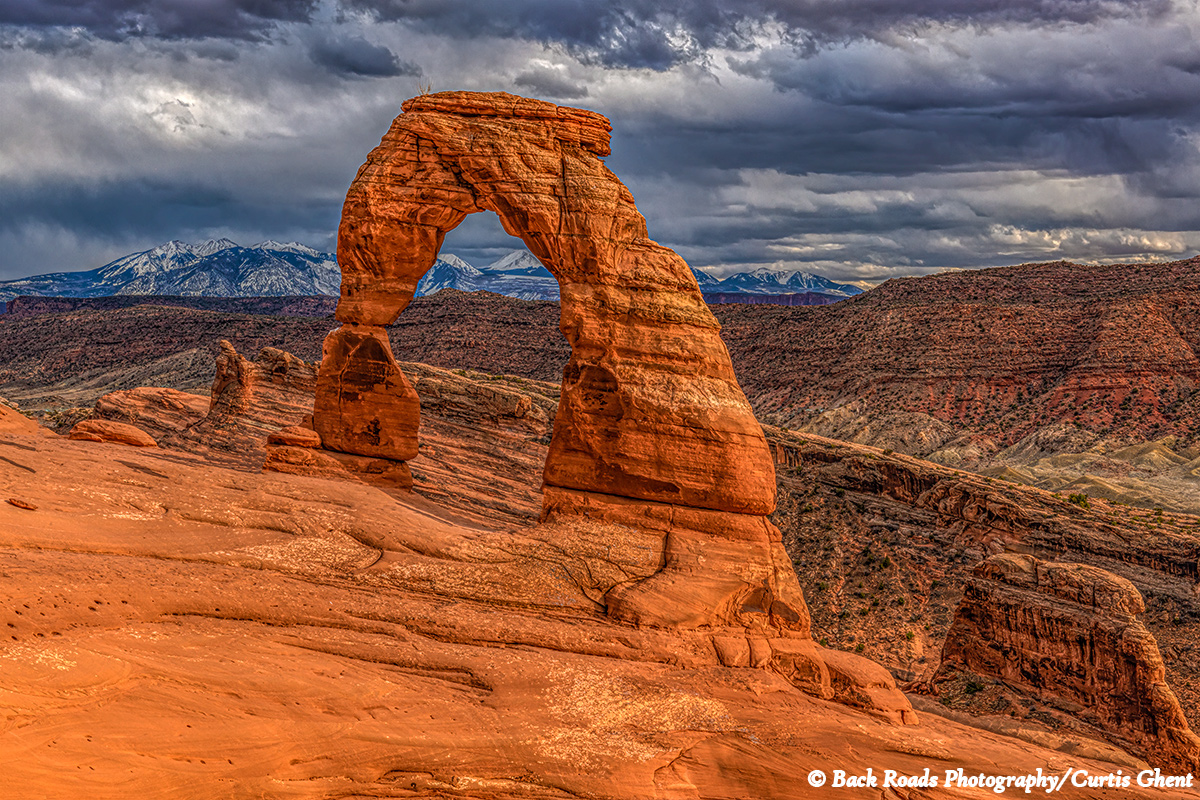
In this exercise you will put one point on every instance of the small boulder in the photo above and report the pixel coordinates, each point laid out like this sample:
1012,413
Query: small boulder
104,430
295,436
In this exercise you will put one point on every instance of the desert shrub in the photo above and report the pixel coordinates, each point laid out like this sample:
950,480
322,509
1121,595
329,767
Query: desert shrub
1080,500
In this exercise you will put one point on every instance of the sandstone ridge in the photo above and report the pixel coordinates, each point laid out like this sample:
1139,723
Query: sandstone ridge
1070,633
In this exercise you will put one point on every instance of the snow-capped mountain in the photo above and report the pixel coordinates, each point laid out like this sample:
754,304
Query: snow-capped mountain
518,262
518,274
215,268
768,281
705,280
448,272
222,268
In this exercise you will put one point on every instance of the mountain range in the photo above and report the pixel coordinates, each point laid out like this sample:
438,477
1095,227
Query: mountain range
519,274
222,268
215,268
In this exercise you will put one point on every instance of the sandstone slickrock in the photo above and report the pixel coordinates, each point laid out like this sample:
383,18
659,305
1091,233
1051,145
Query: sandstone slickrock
13,421
308,460
103,430
295,436
286,636
157,411
1070,633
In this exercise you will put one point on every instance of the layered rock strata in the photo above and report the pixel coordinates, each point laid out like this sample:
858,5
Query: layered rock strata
158,411
1070,633
252,399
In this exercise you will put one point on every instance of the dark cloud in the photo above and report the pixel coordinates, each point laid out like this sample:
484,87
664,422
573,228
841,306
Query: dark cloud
170,19
550,83
659,34
144,207
49,227
356,56
860,138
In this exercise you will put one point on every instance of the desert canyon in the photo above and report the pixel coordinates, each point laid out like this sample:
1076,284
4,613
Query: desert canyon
449,576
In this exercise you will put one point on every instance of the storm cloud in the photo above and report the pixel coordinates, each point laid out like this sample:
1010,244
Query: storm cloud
356,56
857,138
171,19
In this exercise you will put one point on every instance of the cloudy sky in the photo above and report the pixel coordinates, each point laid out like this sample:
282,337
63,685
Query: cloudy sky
856,138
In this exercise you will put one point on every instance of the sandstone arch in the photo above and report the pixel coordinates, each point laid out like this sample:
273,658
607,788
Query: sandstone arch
652,433
650,410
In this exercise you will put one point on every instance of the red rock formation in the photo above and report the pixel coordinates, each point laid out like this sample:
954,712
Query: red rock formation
652,432
304,459
103,430
651,408
370,408
251,400
177,629
1070,633
295,436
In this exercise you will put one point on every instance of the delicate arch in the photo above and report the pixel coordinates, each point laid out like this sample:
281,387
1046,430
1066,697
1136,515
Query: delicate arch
650,407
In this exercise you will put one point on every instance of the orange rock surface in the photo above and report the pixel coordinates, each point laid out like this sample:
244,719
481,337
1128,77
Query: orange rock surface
103,430
13,421
156,410
364,404
650,406
267,635
295,436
